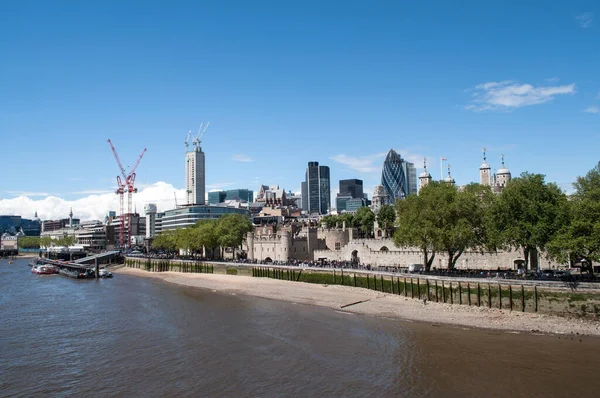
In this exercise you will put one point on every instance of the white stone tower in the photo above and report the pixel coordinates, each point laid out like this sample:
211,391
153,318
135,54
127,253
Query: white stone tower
485,173
449,179
425,177
502,175
195,178
150,210
379,199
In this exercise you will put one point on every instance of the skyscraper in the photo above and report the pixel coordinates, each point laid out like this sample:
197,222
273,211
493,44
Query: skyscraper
398,177
316,190
352,188
195,173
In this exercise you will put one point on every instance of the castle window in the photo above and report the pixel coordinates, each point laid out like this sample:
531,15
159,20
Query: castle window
338,245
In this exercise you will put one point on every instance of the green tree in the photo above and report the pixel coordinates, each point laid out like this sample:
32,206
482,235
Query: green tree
347,218
416,225
166,240
206,233
527,215
461,219
386,218
579,235
364,219
232,230
29,242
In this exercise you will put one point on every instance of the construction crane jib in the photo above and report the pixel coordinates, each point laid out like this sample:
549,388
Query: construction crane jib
125,186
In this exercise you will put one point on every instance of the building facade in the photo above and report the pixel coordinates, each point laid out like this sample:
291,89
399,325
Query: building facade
187,216
316,189
216,197
195,178
398,177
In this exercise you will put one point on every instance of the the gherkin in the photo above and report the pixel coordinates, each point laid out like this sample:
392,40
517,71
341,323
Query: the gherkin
398,177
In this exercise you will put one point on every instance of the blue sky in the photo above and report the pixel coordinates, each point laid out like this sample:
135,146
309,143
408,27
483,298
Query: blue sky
284,83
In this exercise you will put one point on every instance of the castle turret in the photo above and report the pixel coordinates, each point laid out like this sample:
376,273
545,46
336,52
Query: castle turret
425,177
485,175
449,179
503,175
285,246
250,242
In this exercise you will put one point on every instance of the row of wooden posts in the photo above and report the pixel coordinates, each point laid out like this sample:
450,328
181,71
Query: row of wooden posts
408,285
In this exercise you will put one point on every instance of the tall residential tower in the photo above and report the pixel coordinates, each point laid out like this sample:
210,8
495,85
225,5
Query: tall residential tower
195,178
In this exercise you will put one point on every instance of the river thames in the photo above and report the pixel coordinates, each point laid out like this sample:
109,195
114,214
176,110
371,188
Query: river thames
131,336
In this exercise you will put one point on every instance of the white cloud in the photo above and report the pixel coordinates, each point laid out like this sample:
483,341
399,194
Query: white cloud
508,95
363,164
92,207
93,191
27,193
585,19
241,158
219,185
592,109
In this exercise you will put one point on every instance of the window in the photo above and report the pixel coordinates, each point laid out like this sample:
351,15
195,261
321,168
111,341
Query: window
337,245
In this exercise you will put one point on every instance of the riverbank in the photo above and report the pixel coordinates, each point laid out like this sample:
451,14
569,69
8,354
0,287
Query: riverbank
369,302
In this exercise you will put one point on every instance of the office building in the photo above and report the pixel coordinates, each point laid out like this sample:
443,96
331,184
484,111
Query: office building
398,177
216,197
316,189
352,187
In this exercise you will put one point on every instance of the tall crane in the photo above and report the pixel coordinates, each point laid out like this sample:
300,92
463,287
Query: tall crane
125,186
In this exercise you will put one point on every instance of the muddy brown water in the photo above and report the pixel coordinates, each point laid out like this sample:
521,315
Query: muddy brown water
131,336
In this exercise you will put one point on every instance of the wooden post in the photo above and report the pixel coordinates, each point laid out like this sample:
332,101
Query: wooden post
334,277
510,296
535,296
405,293
443,293
381,279
499,296
469,292
96,268
428,295
392,284
489,296
398,285
459,293
355,279
368,286
478,294
342,277
523,298
419,288
375,281
412,292
436,292
451,296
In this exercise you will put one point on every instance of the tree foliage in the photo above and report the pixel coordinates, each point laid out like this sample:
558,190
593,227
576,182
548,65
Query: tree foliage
363,220
579,234
527,214
386,218
443,219
227,231
416,225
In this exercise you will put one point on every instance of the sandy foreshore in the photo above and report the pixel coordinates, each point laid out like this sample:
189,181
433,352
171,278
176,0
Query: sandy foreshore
369,302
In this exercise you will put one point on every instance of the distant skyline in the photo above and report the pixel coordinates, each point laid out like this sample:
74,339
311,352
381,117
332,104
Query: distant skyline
282,84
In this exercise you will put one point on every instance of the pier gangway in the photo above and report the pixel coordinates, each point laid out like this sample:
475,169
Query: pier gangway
101,257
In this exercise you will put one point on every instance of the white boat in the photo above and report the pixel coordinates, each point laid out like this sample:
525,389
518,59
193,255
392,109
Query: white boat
104,273
44,269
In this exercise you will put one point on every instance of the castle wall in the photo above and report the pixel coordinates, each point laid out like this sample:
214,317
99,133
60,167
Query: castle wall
368,251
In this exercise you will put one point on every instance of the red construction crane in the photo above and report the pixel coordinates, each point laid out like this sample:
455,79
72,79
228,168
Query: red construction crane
125,186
